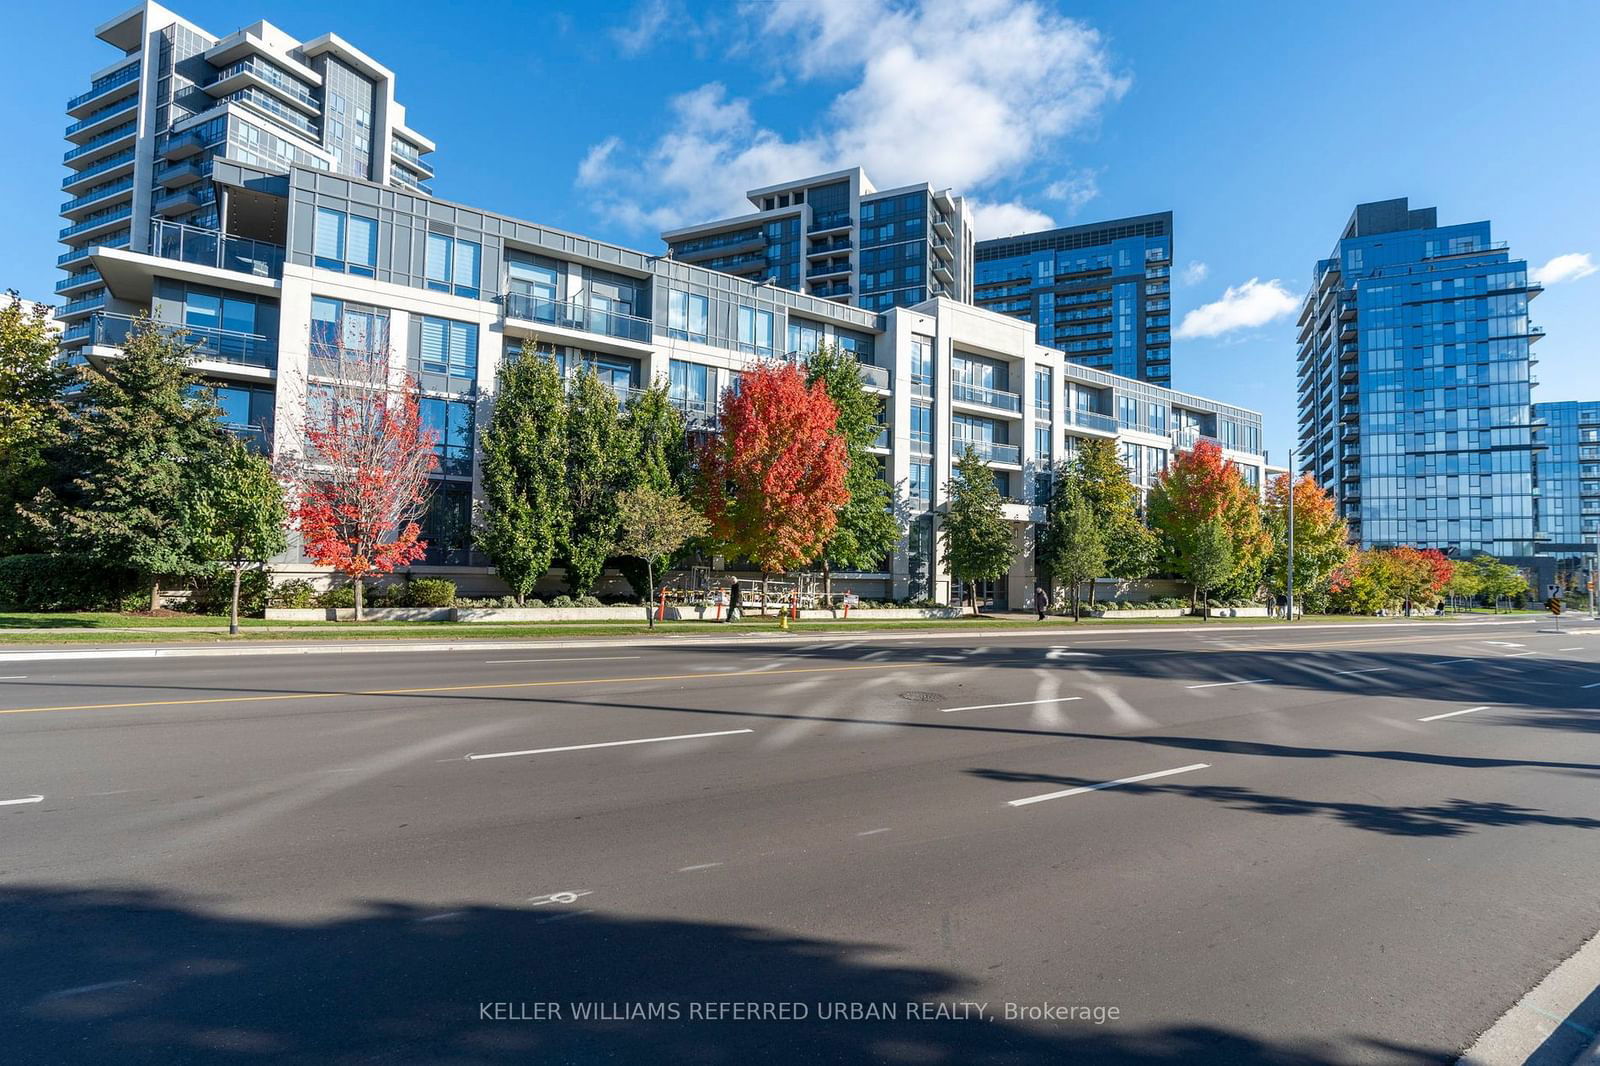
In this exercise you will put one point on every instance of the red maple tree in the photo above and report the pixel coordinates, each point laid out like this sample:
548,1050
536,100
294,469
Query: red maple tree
1419,574
1198,486
362,477
773,476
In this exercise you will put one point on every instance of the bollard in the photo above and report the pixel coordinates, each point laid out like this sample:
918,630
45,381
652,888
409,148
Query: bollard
661,612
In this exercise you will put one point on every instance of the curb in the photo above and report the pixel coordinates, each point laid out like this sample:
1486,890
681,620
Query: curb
1554,1024
443,645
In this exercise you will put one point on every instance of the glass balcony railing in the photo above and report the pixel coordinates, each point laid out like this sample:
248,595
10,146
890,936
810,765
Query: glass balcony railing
111,189
830,220
575,316
205,247
106,84
986,449
222,345
116,134
109,163
112,240
77,281
104,113
273,76
1095,420
96,221
1005,401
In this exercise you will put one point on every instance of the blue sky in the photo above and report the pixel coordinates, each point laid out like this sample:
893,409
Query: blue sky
1260,125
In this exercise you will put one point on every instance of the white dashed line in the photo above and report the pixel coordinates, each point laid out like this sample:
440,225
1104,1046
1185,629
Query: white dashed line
702,866
582,659
1569,649
609,744
1224,684
1106,784
1451,714
86,989
1374,670
446,916
1522,654
872,832
1593,685
24,799
1451,662
1020,703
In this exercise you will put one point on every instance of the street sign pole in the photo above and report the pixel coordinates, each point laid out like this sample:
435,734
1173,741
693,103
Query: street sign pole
1289,598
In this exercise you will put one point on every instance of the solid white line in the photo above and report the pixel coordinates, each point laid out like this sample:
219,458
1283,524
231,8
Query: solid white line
702,866
1106,784
872,832
607,744
1221,684
83,989
1522,654
15,677
1569,649
1374,670
24,799
581,659
1451,714
1020,703
1450,662
1594,685
446,916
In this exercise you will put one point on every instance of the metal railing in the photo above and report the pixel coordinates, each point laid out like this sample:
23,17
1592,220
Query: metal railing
1094,420
111,162
273,76
222,345
99,193
116,214
575,316
986,449
205,247
106,84
102,114
997,398
73,281
116,134
831,220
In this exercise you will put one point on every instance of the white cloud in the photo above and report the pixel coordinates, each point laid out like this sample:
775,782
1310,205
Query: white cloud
1076,190
1569,267
1195,272
1255,303
960,93
641,33
1006,220
596,161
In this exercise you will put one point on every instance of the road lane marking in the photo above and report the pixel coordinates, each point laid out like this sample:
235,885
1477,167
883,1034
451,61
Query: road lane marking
1106,784
1221,684
281,696
1522,654
1452,662
1374,670
1569,649
1505,644
1594,685
560,897
15,677
446,916
1019,703
1451,714
24,799
702,866
86,989
579,659
610,744
872,832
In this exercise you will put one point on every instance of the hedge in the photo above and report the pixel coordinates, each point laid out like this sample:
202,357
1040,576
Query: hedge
63,583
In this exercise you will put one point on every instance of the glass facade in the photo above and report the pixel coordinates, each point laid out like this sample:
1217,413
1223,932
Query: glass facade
1566,468
1101,293
1415,381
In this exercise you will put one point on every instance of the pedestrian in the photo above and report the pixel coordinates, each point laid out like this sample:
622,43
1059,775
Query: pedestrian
1041,601
734,602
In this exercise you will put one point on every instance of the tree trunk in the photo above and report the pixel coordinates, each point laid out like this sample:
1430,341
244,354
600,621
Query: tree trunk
1077,615
650,598
358,584
155,595
763,594
827,582
233,608
1092,582
1205,611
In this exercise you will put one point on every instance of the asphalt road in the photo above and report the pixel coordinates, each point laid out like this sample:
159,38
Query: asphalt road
1333,845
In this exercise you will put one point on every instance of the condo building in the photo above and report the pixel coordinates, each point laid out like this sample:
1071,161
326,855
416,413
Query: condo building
1566,481
142,138
1101,293
838,237
450,291
1414,372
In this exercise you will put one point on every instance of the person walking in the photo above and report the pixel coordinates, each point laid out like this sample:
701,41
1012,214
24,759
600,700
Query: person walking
734,600
1041,601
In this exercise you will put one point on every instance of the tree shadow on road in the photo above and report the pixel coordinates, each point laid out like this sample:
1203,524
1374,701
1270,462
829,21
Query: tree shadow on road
140,976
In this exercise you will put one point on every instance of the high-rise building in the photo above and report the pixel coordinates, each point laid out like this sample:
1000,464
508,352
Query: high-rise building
1566,479
144,134
837,236
1101,293
1414,383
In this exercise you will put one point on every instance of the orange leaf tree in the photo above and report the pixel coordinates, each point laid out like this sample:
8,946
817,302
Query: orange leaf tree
362,477
772,479
1321,538
1419,574
1198,486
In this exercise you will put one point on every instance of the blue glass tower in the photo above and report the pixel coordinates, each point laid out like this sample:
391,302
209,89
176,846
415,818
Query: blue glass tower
1414,383
1566,467
1101,293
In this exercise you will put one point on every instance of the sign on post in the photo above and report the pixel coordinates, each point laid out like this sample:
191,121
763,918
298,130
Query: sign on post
850,600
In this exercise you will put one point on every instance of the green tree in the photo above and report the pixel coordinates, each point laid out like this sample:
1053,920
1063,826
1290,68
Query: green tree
31,416
1498,580
239,515
1113,502
525,515
137,447
1466,582
653,524
1211,560
978,542
660,462
1073,550
599,451
867,530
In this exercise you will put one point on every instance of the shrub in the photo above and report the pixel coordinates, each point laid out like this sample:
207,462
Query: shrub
429,592
213,593
562,600
64,583
533,601
296,592
341,596
587,601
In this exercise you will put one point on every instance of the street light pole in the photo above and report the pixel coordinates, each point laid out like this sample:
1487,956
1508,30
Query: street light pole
1289,598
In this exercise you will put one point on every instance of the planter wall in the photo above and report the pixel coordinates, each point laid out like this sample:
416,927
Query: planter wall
371,614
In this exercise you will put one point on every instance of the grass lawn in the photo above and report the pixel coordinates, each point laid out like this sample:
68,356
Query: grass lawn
33,628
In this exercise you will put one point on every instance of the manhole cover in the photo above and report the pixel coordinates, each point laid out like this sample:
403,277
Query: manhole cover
921,697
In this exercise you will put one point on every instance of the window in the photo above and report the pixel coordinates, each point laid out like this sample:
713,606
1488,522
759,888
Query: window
452,266
922,428
346,243
686,315
922,366
921,483
450,421
755,331
354,329
689,385
450,348
1041,443
804,337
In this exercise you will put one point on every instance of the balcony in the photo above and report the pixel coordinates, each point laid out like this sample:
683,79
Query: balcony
874,377
1535,333
985,397
831,221
254,70
1347,331
531,308
176,146
118,82
1349,351
1347,310
99,121
180,200
838,244
1095,420
828,270
79,306
220,345
205,247
175,175
106,167
1188,436
80,280
694,248
98,195
102,145
1043,412
697,413
987,450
